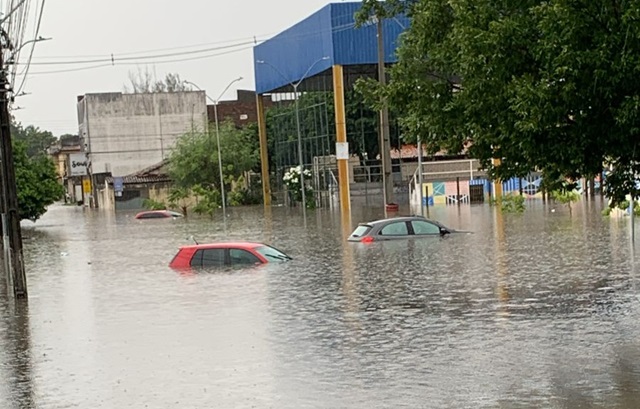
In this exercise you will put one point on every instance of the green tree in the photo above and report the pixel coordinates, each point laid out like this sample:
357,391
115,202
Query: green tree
209,199
178,198
36,181
546,85
194,160
35,140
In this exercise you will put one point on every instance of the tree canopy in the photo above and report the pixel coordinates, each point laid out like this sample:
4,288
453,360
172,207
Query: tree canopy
36,181
541,85
36,141
146,82
36,178
194,160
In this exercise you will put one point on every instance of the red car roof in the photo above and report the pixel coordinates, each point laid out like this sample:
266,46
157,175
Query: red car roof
237,244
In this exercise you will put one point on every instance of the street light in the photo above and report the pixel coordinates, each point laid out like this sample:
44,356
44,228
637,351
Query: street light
295,91
215,116
16,50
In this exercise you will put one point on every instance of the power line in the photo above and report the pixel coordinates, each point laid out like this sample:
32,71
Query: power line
202,57
116,59
33,47
133,53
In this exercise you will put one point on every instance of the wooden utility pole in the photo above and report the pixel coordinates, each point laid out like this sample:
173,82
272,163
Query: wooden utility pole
10,216
385,143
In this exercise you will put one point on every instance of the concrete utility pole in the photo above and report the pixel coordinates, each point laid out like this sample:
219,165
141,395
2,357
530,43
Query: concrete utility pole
385,142
10,216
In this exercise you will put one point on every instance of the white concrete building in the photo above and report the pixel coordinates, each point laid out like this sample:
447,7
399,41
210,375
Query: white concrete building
125,133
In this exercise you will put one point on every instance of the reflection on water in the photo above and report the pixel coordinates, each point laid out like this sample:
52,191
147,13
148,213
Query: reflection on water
532,310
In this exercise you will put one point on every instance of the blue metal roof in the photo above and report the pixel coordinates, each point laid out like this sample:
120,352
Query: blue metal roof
330,32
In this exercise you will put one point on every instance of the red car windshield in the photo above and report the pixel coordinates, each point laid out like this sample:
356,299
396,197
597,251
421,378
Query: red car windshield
272,254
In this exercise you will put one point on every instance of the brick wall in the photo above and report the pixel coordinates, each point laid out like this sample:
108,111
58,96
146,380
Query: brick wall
242,111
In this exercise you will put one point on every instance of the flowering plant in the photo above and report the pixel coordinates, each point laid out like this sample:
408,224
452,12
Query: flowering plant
291,180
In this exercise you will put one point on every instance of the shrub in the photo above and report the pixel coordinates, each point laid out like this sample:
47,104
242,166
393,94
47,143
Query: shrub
151,204
511,203
291,179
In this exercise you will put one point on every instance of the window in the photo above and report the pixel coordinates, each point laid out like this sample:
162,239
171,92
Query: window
208,258
196,260
360,231
243,257
213,257
395,229
422,227
272,254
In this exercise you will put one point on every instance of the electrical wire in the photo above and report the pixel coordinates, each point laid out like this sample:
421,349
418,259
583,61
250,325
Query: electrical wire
132,58
117,59
132,55
14,28
202,57
33,46
254,39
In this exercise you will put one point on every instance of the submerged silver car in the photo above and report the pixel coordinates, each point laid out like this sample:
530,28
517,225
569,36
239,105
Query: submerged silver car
399,228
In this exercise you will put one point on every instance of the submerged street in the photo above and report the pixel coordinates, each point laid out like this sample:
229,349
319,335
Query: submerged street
533,310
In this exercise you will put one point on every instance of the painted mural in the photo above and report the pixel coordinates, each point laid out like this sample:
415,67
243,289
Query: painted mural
443,193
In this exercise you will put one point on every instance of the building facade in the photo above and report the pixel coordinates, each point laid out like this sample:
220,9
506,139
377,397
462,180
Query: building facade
242,111
125,133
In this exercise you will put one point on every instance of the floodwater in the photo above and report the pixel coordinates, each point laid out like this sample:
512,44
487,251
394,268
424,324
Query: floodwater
539,310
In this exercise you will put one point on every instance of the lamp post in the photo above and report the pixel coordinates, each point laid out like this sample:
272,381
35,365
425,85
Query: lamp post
215,117
16,50
297,108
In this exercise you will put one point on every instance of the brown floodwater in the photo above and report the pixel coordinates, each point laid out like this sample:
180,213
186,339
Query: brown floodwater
537,310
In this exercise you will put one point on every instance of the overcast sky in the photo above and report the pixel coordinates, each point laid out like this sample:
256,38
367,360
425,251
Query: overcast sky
95,29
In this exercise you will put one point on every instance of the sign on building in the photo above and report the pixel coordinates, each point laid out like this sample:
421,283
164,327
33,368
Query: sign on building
118,186
86,185
78,164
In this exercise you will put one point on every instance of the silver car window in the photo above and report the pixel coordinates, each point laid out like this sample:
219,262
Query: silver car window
422,227
395,229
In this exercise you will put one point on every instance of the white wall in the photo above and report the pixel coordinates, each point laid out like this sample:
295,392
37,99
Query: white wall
129,132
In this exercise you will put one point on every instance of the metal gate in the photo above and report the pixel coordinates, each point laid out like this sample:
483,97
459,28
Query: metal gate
476,194
316,141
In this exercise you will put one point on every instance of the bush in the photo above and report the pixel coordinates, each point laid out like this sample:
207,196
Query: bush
565,197
179,198
291,180
624,205
511,203
209,199
151,204
242,197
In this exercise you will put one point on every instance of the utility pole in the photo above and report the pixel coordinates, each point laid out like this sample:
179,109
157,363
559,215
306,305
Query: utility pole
10,215
385,142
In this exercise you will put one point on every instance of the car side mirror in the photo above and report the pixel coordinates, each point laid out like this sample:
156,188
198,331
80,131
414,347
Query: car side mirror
444,231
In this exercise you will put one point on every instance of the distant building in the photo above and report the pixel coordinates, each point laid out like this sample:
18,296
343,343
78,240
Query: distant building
125,133
60,152
242,111
130,191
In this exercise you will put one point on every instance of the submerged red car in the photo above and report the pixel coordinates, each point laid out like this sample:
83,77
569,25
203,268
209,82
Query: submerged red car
239,253
157,214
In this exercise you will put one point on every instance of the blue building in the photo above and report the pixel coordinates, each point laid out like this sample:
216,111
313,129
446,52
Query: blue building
324,52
